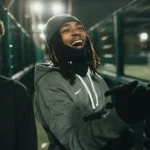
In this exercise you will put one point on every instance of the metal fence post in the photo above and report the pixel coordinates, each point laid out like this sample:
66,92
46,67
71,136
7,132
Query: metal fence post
118,42
7,70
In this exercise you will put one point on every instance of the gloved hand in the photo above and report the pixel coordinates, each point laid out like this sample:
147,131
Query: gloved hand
130,101
146,134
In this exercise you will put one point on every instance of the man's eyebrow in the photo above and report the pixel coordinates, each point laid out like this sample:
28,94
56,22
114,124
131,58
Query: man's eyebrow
77,23
65,25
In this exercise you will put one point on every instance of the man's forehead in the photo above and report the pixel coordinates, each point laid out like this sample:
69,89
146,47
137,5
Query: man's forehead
70,23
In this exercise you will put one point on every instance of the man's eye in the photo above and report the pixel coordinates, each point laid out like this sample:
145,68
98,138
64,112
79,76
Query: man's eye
80,28
65,30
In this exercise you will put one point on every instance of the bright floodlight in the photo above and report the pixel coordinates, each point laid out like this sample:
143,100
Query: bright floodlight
37,7
143,36
57,8
41,26
42,36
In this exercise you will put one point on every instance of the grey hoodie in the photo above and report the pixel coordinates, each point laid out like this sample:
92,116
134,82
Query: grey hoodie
62,107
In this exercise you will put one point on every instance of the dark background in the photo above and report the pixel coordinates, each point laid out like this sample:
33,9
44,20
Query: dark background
88,11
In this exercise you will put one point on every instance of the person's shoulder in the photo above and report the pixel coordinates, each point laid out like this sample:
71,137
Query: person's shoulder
54,80
10,83
52,77
4,79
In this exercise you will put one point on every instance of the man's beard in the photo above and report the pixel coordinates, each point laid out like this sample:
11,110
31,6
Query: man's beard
76,58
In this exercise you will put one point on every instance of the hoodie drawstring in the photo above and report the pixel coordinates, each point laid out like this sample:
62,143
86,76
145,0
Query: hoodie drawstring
93,89
88,91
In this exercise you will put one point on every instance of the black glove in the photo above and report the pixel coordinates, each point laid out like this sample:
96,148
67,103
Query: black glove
129,101
146,135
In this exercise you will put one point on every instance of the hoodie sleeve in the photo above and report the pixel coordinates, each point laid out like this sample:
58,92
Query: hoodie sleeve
26,135
64,120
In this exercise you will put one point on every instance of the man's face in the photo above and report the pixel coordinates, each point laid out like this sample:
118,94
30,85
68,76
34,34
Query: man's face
73,35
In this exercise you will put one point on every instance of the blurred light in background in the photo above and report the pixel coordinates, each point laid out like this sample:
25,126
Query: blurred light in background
143,36
41,26
42,36
108,46
10,45
104,38
37,7
57,8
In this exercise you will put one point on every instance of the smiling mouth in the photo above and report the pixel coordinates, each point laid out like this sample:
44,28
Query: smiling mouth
78,44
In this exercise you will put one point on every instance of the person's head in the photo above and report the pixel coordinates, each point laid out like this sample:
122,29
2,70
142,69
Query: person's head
69,46
2,30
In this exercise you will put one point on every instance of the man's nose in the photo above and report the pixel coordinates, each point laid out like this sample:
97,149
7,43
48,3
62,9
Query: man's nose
75,32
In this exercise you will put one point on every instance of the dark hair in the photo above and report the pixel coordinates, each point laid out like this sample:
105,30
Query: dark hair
67,71
2,30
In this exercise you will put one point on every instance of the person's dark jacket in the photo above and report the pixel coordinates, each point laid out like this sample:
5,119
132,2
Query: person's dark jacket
17,121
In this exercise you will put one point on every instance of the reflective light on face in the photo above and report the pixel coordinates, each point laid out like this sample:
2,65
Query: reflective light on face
57,8
143,36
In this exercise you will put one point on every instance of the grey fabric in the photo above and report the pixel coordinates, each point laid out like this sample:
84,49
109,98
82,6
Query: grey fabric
63,110
55,23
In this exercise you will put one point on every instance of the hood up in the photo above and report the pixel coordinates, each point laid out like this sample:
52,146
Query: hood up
41,69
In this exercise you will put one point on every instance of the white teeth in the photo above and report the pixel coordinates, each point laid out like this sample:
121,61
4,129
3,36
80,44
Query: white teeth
78,41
